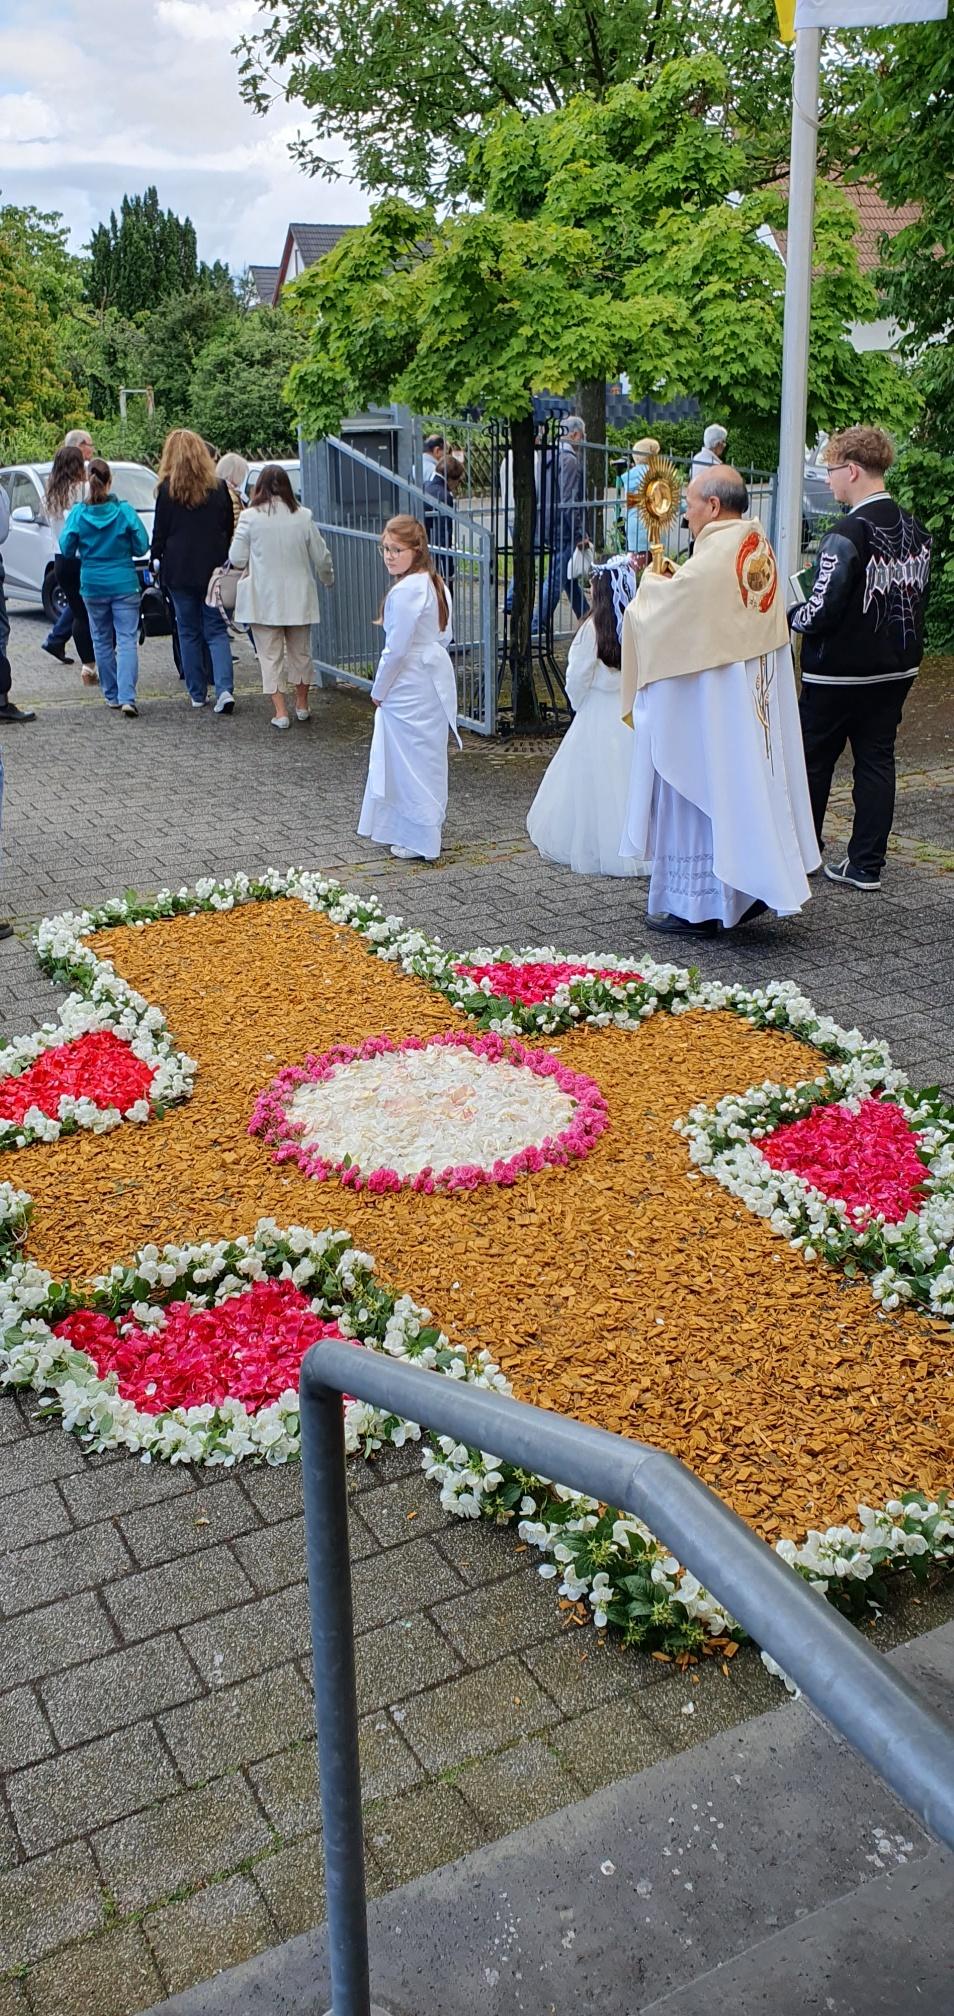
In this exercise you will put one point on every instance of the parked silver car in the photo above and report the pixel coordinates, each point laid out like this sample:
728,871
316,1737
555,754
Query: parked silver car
819,509
29,548
292,470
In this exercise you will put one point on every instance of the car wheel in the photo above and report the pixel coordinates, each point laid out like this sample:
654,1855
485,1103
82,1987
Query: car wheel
53,597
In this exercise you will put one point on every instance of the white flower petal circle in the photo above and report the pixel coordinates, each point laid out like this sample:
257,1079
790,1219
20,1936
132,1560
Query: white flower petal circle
453,1111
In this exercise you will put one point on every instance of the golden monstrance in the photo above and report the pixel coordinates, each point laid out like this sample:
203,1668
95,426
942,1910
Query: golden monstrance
657,500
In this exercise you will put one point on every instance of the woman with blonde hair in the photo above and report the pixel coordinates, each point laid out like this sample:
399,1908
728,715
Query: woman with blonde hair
415,700
233,470
193,525
279,545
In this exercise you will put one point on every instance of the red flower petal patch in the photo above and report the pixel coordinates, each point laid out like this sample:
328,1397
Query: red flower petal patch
868,1160
97,1066
533,980
249,1348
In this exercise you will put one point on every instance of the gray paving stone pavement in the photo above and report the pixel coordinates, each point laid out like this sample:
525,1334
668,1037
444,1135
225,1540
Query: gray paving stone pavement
768,1872
159,1817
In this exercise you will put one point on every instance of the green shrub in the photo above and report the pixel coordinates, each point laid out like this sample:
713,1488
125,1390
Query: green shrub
752,444
139,440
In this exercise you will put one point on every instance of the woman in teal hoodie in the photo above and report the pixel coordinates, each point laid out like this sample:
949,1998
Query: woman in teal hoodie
105,533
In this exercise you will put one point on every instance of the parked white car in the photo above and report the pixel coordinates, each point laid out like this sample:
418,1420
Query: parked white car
293,470
29,548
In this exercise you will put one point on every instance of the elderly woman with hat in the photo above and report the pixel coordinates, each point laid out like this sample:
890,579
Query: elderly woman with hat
637,537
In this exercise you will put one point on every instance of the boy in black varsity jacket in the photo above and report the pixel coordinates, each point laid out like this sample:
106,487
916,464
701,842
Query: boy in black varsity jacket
862,632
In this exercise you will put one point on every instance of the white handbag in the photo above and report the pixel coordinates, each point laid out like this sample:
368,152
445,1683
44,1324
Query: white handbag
223,589
579,567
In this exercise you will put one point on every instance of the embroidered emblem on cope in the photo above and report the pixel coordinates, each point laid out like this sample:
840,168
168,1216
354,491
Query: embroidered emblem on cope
757,572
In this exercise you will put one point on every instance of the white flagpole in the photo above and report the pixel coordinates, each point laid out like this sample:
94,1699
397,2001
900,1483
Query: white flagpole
798,294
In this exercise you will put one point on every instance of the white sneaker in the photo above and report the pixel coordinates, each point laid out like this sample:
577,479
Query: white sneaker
198,705
225,703
280,721
406,854
302,713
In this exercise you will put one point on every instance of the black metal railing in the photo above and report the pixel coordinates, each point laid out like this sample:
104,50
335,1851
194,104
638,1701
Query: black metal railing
851,1685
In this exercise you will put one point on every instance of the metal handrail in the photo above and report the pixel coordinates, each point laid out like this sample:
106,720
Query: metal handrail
851,1685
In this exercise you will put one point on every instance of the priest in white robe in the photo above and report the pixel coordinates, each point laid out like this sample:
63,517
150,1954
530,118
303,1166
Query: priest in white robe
718,796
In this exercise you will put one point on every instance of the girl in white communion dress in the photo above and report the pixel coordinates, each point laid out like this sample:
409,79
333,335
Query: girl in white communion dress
578,814
415,701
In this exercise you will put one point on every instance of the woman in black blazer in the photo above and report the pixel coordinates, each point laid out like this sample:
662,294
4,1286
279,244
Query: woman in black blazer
191,536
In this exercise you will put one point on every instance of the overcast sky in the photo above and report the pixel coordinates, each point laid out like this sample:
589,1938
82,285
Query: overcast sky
102,97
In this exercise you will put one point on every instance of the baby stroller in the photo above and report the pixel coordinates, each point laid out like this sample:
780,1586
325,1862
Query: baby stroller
157,617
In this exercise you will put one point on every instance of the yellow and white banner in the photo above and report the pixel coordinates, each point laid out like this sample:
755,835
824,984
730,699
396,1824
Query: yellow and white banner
862,13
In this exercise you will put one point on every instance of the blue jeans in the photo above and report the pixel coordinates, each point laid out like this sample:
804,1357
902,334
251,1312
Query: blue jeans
555,584
197,624
117,661
62,627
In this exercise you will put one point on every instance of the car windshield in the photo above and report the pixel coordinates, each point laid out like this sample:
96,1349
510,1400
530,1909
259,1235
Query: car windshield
135,486
292,471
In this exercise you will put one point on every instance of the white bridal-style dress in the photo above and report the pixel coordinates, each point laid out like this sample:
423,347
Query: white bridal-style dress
579,812
405,799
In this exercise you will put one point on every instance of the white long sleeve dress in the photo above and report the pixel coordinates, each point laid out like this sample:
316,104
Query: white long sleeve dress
405,799
578,814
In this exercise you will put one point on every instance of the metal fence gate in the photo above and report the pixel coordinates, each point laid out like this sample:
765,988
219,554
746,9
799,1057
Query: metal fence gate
352,495
602,516
352,492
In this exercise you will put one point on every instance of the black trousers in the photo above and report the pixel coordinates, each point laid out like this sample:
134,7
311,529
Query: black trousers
67,575
5,675
867,718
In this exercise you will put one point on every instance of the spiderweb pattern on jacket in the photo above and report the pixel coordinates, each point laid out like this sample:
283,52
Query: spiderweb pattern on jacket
896,576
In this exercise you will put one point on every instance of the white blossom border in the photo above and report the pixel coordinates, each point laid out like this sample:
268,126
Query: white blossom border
607,1562
585,1001
589,999
344,1290
910,1261
611,1564
109,1004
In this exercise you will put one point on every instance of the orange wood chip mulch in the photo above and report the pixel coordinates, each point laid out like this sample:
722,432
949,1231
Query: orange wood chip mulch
625,1289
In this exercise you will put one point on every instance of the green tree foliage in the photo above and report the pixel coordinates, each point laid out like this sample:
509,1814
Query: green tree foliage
210,362
907,118
38,288
237,395
160,350
410,88
604,243
145,256
103,352
176,336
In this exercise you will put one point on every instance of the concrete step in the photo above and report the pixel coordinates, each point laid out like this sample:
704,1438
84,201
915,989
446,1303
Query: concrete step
767,1870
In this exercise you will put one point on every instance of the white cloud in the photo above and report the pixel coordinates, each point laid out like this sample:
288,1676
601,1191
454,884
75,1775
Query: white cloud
24,117
109,97
198,22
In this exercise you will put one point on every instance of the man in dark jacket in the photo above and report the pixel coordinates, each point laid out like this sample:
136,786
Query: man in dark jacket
562,519
9,711
862,632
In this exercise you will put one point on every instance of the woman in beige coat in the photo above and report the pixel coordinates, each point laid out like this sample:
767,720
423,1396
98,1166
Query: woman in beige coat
278,543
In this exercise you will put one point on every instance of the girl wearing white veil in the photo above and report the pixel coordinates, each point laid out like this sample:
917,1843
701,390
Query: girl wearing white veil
578,814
